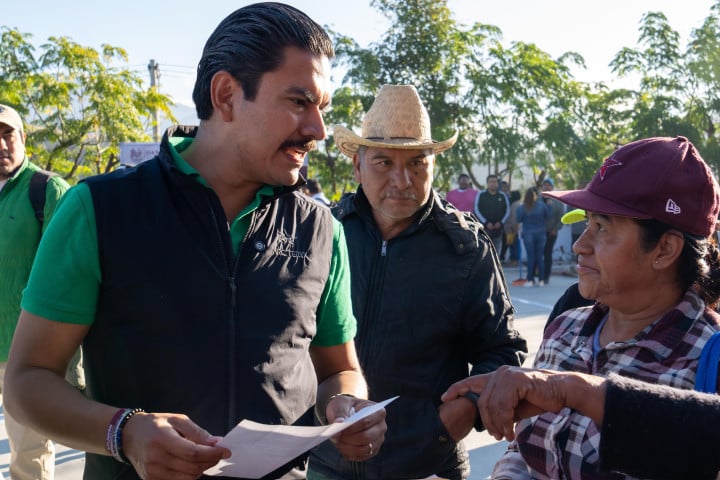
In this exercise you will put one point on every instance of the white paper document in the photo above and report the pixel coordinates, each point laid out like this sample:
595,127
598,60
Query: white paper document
258,449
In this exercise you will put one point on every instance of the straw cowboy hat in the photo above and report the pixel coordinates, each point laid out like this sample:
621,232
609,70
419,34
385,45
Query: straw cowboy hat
396,119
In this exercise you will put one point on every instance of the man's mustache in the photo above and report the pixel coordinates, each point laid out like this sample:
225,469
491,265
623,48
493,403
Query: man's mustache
306,144
394,193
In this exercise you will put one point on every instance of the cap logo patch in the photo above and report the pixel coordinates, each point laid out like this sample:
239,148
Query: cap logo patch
610,162
672,207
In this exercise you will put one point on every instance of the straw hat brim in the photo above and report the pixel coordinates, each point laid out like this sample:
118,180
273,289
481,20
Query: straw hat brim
348,142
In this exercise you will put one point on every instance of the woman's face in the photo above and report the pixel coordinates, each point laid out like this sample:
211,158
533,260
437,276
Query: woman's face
612,265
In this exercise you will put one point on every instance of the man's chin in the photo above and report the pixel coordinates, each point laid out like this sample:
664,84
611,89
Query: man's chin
287,180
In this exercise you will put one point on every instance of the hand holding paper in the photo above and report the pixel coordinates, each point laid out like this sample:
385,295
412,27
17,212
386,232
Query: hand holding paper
258,449
365,436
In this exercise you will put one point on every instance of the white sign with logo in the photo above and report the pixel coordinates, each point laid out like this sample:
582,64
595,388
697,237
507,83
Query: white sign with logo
133,153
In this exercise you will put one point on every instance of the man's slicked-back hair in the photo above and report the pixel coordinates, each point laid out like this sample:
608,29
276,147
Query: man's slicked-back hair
250,42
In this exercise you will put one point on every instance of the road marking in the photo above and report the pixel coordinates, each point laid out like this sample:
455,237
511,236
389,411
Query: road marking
530,302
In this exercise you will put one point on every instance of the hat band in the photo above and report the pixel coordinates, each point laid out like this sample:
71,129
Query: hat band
385,139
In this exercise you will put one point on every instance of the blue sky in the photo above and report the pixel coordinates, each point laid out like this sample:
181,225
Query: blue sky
173,33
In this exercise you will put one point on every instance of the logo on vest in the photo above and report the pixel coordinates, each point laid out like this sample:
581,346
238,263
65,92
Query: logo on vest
672,207
286,246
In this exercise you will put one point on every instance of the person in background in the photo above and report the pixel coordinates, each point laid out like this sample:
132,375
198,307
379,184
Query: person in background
233,302
32,454
646,257
492,207
421,320
463,197
315,191
532,215
512,231
646,430
577,220
553,225
505,188
577,226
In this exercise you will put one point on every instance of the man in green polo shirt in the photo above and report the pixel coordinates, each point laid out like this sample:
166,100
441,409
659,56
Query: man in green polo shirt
22,220
204,286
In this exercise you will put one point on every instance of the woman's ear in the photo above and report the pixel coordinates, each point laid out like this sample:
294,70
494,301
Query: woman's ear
669,248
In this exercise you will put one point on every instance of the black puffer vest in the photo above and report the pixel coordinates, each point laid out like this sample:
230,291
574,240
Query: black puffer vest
185,326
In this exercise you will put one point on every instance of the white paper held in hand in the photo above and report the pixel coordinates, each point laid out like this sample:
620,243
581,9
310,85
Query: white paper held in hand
258,449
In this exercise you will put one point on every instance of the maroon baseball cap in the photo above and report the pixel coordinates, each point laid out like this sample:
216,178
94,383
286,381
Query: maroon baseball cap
661,178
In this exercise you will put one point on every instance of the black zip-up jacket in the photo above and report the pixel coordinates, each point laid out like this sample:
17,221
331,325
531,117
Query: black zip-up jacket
492,207
428,303
185,326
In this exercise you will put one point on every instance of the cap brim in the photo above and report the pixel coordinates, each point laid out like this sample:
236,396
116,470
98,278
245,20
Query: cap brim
348,142
591,202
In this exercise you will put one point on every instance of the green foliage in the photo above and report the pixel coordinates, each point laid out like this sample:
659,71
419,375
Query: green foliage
500,98
521,113
425,47
79,103
327,164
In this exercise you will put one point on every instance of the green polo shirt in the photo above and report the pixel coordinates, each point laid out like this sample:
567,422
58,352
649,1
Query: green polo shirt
65,279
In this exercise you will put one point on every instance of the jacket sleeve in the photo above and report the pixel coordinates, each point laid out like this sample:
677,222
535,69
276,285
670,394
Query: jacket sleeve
476,207
506,215
491,339
554,216
659,432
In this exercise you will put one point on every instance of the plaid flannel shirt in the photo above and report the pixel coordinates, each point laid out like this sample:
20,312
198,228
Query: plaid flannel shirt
565,445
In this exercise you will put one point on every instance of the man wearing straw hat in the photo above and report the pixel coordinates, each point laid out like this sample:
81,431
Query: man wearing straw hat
427,291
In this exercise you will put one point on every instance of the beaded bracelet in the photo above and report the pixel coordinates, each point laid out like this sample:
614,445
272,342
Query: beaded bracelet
113,440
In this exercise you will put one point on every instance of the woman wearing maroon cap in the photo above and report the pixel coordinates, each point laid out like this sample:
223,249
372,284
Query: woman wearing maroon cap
649,259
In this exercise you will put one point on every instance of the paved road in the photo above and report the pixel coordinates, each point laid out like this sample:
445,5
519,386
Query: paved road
532,305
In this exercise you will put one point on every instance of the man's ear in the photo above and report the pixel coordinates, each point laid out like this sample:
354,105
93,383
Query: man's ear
356,168
224,90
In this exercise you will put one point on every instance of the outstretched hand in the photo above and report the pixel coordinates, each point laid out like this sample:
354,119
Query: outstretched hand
163,446
512,393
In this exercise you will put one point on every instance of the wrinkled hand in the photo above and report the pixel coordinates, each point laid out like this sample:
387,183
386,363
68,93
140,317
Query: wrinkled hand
510,394
167,446
458,417
363,439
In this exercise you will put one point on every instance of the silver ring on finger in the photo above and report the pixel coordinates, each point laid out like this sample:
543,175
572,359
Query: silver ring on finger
370,449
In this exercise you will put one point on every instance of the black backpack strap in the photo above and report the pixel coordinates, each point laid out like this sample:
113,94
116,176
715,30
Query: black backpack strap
38,187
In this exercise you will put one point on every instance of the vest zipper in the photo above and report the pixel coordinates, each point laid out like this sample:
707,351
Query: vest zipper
383,248
232,323
223,235
232,414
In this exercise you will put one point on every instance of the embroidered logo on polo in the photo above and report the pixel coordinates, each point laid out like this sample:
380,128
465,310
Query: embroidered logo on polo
285,246
672,207
610,162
